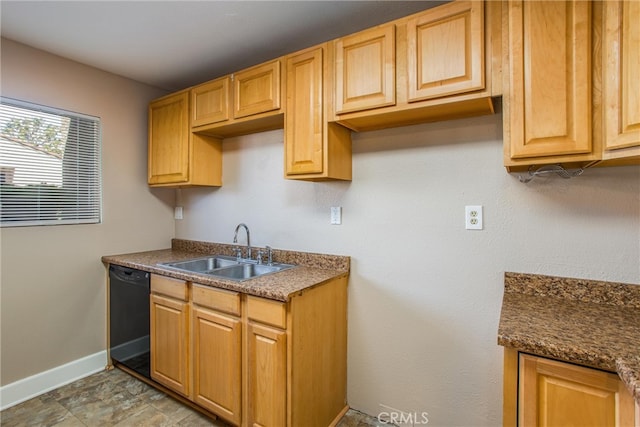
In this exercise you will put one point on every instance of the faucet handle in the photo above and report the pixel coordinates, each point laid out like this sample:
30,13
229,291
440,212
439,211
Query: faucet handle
259,256
269,255
238,253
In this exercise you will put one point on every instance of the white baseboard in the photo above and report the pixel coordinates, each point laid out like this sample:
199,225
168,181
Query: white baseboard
30,387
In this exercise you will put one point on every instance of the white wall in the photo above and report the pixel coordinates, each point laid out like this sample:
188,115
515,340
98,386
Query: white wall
424,293
53,284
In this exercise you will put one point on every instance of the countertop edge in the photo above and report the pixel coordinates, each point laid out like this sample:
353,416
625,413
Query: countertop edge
281,286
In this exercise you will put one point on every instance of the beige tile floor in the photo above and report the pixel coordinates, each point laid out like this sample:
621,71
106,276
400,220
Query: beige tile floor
114,398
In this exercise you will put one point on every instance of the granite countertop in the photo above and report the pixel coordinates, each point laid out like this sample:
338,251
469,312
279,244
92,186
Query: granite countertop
311,269
586,322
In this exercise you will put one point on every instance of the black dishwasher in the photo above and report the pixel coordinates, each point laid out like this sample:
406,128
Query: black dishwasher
129,318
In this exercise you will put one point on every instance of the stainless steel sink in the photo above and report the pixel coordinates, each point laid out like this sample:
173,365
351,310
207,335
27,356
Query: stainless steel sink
226,267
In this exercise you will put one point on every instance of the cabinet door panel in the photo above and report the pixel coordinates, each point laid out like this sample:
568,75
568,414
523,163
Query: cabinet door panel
217,363
210,102
560,394
169,140
304,118
622,74
267,376
550,78
169,338
446,51
257,90
365,70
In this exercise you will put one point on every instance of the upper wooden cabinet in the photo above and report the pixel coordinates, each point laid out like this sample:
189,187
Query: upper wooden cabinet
210,102
435,65
365,70
547,94
314,148
621,81
176,157
244,102
445,51
572,84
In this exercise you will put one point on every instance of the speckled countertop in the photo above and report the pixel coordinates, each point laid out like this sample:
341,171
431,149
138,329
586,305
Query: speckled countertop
311,269
586,322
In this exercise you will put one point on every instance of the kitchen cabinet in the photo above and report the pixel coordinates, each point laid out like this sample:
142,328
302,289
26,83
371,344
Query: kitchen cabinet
541,391
267,371
314,148
252,360
365,70
176,156
244,102
169,318
216,336
621,82
434,65
547,92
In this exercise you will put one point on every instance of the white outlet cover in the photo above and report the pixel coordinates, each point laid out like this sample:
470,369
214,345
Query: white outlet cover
473,217
336,215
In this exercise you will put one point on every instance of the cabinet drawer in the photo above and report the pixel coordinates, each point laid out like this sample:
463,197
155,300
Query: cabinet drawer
170,287
218,299
267,311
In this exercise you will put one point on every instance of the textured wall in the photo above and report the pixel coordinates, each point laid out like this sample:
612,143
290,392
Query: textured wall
425,294
53,296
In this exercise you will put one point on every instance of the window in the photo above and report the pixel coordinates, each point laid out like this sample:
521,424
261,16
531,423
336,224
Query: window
49,166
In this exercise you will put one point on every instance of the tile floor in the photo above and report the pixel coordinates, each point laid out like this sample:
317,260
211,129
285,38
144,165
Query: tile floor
114,398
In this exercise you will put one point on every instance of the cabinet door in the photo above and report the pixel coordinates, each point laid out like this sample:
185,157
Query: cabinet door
169,343
622,74
267,376
169,139
210,102
217,363
365,70
304,119
560,394
549,95
257,90
446,50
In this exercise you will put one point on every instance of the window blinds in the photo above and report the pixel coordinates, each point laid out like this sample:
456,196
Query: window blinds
49,166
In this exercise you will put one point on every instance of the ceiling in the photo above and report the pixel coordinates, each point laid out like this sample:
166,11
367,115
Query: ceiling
176,44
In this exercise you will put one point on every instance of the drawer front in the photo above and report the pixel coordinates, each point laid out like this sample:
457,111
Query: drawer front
267,311
217,299
170,287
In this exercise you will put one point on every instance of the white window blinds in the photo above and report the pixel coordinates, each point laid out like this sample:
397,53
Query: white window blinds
49,166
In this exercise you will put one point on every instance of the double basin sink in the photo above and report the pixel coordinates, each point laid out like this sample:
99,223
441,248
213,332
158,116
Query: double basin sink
226,267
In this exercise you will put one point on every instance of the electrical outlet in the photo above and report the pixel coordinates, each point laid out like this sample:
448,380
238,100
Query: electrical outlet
473,217
336,215
177,212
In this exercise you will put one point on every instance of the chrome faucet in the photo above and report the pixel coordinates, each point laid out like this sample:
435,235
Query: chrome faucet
235,238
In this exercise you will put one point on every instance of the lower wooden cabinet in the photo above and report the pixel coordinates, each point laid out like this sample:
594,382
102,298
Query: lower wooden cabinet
253,361
544,392
267,371
170,334
217,363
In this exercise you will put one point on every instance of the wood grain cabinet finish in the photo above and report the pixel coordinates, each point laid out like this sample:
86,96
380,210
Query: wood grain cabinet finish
445,51
169,317
217,363
314,148
365,70
176,156
257,90
210,102
430,66
554,393
621,80
548,90
250,360
247,101
267,370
